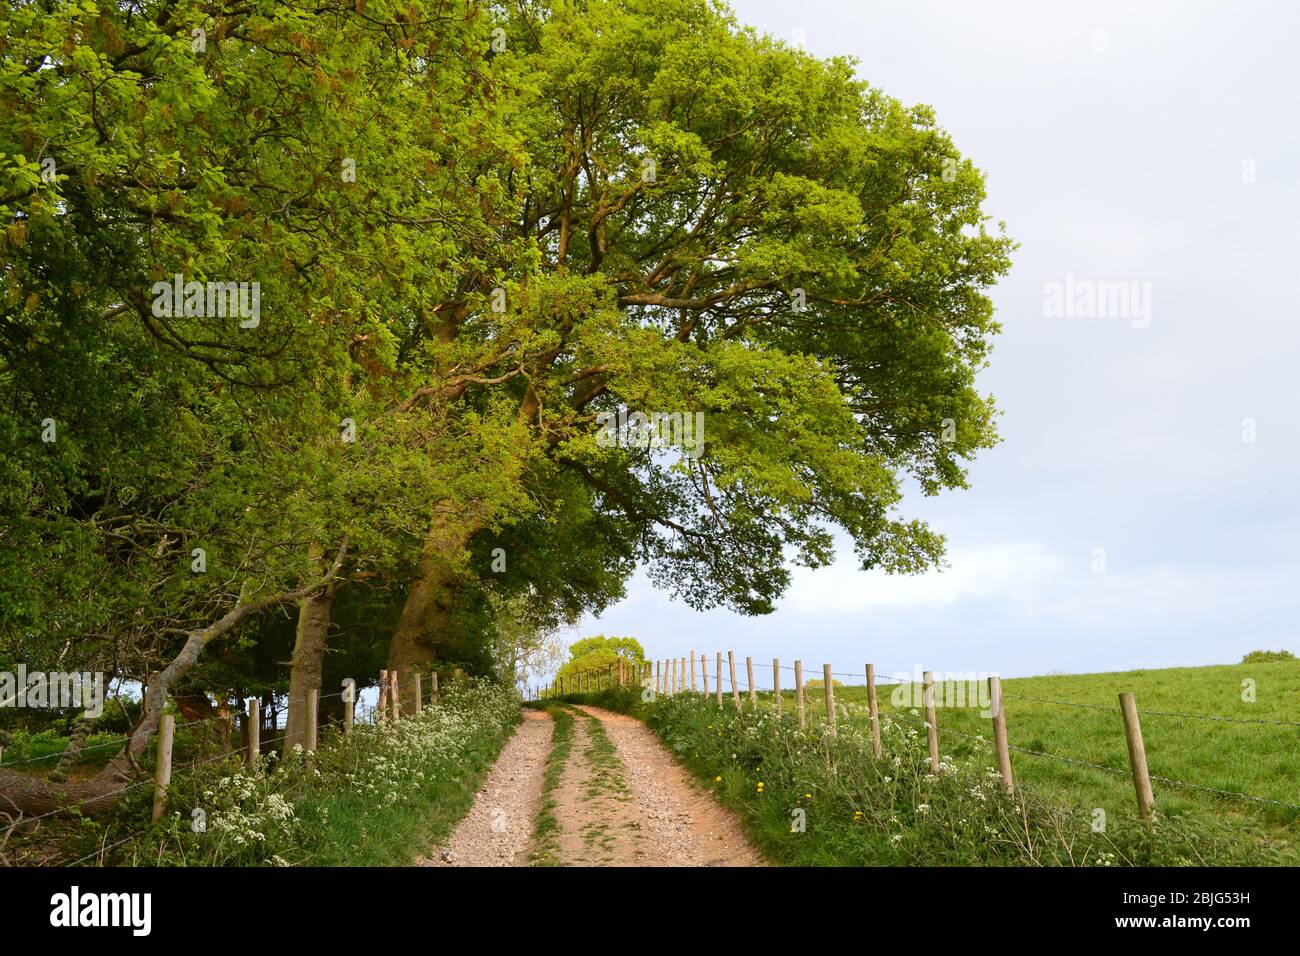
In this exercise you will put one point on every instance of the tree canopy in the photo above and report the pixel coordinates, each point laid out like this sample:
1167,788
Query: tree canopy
432,258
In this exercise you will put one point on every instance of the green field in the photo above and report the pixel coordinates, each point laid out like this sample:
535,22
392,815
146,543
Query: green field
1258,759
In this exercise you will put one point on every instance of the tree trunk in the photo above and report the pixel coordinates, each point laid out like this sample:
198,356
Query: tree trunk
308,657
424,631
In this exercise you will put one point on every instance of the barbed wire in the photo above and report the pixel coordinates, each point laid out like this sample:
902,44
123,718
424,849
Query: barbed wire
1154,713
127,737
91,799
1170,781
1227,793
188,767
916,721
1230,720
100,851
884,678
94,798
1062,703
63,753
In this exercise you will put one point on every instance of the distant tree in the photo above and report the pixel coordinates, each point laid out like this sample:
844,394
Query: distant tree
596,655
1267,657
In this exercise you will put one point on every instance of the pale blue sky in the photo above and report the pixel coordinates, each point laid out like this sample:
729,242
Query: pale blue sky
1124,164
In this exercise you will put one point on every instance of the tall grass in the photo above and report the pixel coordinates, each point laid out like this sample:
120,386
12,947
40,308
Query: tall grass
379,796
546,827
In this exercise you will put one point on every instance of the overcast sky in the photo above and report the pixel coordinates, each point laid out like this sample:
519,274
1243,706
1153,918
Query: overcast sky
1151,143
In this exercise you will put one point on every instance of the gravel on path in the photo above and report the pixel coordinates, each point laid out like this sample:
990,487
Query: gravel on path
499,827
680,823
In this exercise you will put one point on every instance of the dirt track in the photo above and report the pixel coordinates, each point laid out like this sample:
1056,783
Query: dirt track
621,800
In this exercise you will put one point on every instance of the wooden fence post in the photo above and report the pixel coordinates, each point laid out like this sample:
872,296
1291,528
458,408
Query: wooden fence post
749,671
931,725
659,683
731,666
254,733
682,676
875,713
1137,758
394,701
162,772
419,693
349,703
313,703
672,683
798,691
830,697
383,696
719,680
704,672
1000,734
433,688
692,672
776,684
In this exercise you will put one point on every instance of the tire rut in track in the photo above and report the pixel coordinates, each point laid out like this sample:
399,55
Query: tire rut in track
499,826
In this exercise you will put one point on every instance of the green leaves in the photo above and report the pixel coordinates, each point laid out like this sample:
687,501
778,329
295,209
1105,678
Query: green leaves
464,263
802,259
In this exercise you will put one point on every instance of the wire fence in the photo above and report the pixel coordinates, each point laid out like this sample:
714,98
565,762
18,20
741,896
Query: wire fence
392,701
679,675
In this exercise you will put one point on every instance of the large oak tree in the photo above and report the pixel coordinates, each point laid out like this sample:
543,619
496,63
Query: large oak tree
723,224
